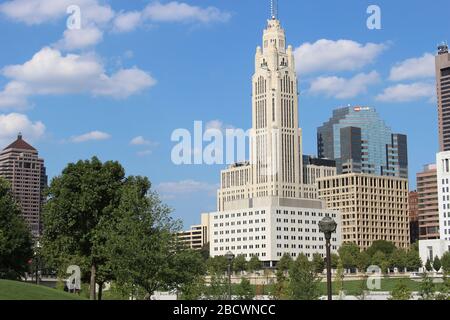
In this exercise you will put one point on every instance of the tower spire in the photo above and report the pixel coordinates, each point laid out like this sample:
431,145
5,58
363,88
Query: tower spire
274,9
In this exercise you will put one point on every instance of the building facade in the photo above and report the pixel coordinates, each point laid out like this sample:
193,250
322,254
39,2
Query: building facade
413,208
315,168
372,207
270,232
443,96
360,142
21,166
428,206
264,209
197,236
443,181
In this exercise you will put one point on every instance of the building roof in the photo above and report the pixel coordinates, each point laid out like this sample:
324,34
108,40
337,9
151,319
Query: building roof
20,144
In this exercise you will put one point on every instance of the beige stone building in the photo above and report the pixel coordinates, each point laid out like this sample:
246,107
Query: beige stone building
428,211
372,207
197,236
443,95
21,166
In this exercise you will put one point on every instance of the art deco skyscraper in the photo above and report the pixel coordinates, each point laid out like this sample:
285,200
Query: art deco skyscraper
443,96
21,166
275,163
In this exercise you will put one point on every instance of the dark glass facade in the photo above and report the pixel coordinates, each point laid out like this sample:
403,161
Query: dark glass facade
360,141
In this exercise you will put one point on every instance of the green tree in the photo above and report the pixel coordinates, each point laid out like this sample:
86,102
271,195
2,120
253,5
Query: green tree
285,263
244,290
398,259
428,266
379,259
194,290
349,253
217,265
240,263
427,288
401,291
218,288
281,287
16,244
445,261
254,264
413,261
437,264
384,246
144,251
334,260
79,210
318,262
363,262
304,282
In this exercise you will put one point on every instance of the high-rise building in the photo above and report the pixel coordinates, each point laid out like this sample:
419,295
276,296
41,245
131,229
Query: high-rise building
443,182
360,142
372,207
315,168
21,166
197,236
427,194
262,207
443,96
413,208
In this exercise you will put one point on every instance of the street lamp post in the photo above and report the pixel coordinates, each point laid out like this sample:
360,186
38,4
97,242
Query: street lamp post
230,257
328,226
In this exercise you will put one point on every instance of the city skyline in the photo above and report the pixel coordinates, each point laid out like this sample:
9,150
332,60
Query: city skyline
136,130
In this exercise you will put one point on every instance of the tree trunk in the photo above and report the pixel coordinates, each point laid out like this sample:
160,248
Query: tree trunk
92,286
100,291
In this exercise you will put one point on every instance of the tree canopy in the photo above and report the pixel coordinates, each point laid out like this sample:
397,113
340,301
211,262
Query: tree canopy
16,243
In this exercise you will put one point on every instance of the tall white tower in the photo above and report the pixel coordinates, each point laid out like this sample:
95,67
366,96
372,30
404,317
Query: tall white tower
277,140
274,170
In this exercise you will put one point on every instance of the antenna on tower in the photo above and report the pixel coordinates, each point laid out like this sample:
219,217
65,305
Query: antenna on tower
274,9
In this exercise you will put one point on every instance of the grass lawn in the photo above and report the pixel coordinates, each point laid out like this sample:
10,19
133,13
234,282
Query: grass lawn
353,287
15,290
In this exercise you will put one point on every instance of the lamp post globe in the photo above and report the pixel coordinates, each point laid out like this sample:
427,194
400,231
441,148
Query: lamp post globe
328,226
230,257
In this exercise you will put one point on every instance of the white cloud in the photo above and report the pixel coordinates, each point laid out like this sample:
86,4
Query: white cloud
13,123
181,12
50,72
340,55
80,38
91,136
141,141
408,92
342,88
414,68
186,187
33,12
127,21
144,153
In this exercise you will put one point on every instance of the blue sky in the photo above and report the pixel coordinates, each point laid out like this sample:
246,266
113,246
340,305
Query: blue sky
137,70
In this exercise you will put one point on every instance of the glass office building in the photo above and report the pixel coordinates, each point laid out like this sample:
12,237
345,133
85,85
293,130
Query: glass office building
360,142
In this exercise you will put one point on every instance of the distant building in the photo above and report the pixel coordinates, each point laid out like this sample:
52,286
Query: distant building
413,209
315,168
429,249
198,236
427,193
21,166
360,142
372,207
443,96
443,181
